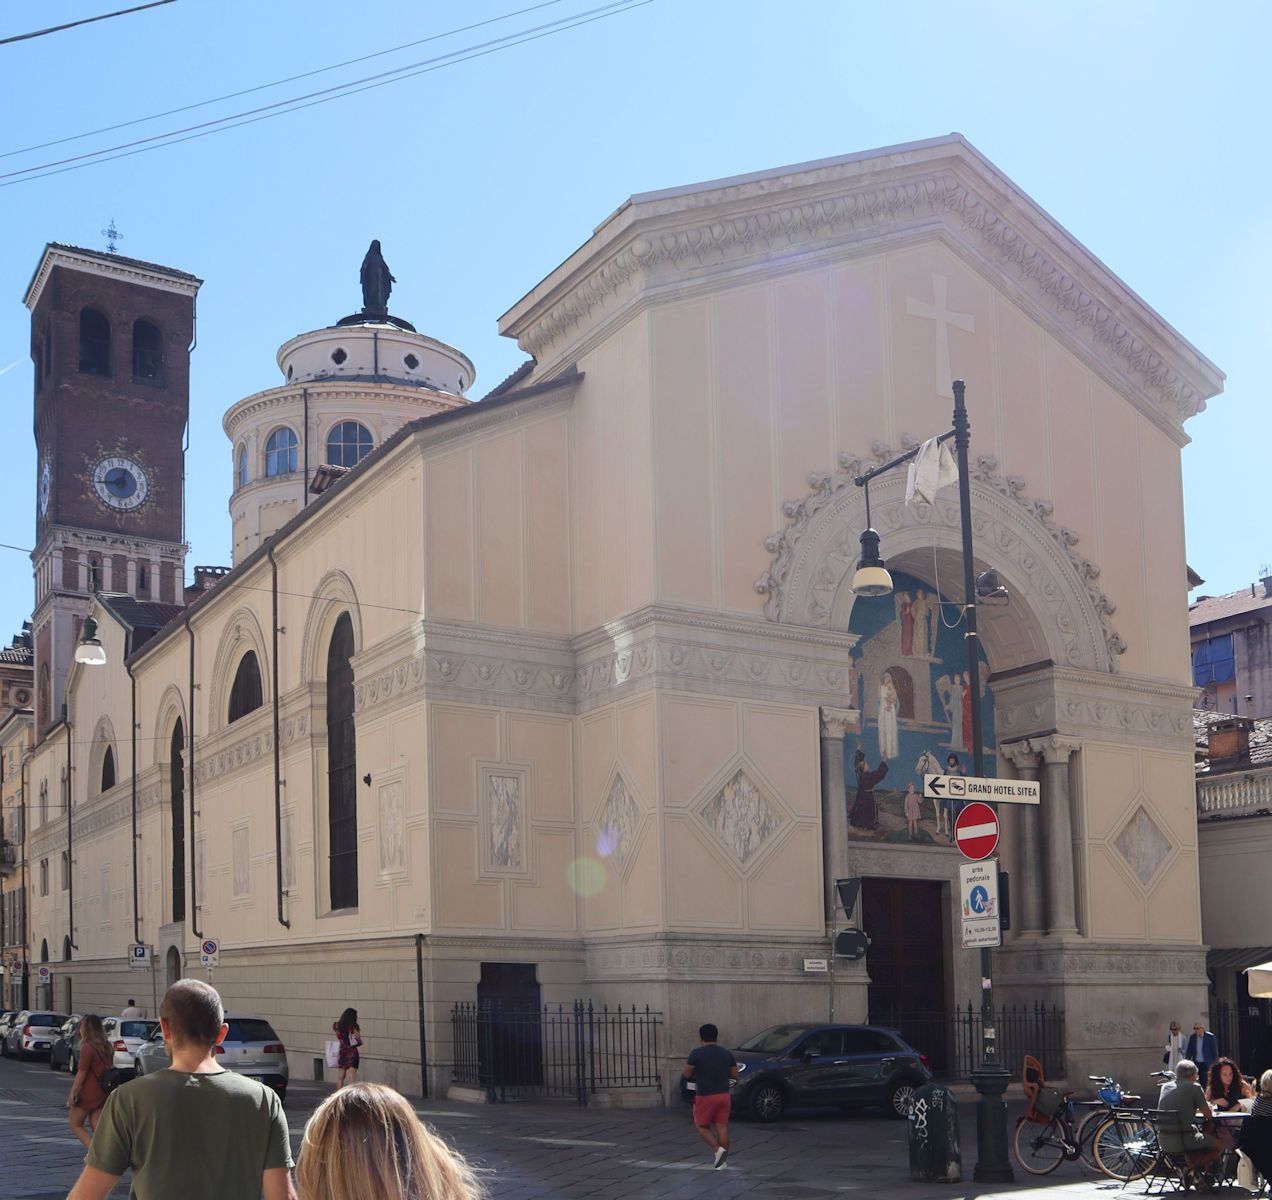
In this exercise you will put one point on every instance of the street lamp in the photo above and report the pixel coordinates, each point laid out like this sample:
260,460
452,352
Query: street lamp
991,1078
872,577
90,650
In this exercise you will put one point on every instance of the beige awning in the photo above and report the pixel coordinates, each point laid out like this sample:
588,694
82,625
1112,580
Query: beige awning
1259,979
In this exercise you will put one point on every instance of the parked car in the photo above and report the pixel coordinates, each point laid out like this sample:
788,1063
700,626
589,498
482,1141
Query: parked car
6,1020
126,1037
32,1033
846,1066
65,1046
251,1047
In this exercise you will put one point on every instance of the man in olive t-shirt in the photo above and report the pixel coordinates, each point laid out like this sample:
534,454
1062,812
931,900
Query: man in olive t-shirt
193,1131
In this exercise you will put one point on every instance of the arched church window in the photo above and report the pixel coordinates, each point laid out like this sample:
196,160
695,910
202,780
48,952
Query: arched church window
46,699
66,948
240,471
147,353
94,343
348,443
342,768
44,949
176,799
108,769
245,692
280,452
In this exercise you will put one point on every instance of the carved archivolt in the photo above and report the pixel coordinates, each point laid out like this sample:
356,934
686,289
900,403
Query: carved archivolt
335,594
241,633
1051,583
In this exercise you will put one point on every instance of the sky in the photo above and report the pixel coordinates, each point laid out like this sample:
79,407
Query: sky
1142,128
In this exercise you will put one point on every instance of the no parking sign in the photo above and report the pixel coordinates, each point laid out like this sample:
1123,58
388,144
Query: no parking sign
210,952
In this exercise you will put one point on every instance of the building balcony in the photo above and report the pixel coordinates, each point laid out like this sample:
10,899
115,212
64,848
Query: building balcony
8,858
1246,795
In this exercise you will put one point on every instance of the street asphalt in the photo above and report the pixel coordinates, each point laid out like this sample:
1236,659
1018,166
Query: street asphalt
529,1151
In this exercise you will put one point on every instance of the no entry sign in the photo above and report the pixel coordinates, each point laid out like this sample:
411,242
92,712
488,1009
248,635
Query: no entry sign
976,831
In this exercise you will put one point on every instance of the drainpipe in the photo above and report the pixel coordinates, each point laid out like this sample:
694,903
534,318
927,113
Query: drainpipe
70,824
304,491
132,681
419,987
194,873
278,769
22,791
375,348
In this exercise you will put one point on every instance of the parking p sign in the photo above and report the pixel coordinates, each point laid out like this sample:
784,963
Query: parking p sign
138,955
210,952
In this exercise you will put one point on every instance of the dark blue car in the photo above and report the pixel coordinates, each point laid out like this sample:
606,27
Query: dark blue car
842,1066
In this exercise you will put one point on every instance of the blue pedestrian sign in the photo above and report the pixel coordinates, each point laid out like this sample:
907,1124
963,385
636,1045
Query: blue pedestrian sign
980,900
978,888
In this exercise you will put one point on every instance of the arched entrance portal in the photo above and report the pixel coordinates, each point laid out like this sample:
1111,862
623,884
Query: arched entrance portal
172,966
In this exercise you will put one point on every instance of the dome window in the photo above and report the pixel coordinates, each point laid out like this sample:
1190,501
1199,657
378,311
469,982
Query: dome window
411,362
348,444
280,452
338,355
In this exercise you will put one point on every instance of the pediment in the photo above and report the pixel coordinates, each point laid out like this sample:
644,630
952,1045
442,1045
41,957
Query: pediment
704,236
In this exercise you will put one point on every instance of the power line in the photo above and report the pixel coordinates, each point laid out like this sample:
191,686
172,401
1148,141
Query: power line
323,96
123,12
75,137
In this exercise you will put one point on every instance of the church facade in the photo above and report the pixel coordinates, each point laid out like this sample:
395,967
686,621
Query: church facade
562,691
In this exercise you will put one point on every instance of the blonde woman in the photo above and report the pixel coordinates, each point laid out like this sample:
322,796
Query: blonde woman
87,1096
365,1140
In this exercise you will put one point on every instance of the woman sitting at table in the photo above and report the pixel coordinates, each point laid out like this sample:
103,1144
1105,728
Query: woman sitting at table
1227,1088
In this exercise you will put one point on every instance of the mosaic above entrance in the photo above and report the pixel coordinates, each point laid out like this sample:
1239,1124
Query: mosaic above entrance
911,686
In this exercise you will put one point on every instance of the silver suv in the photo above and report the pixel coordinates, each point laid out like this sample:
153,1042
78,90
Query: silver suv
251,1047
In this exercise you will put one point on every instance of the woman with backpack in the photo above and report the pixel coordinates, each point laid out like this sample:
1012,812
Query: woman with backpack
88,1092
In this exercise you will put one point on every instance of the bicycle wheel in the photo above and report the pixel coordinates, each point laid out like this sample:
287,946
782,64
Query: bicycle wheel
1039,1148
1125,1148
1085,1135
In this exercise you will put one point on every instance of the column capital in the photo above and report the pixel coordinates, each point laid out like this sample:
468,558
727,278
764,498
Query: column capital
1022,755
1055,748
836,722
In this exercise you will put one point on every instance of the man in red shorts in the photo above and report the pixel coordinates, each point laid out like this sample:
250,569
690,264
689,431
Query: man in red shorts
712,1067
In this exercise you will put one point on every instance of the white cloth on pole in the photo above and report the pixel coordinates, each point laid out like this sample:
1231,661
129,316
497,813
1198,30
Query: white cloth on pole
930,470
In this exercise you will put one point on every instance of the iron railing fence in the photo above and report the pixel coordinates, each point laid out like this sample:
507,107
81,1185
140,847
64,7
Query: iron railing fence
952,1039
563,1050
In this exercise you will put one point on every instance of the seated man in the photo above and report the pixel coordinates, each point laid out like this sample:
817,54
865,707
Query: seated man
1179,1135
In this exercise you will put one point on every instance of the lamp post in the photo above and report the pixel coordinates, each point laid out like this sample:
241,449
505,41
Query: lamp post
872,579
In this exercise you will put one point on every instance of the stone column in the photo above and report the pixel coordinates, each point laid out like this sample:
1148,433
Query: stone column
1057,823
1029,885
835,723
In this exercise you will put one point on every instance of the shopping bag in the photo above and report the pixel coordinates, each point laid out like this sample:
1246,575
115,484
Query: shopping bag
333,1053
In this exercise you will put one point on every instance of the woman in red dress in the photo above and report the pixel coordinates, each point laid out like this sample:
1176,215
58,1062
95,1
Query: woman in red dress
350,1035
87,1096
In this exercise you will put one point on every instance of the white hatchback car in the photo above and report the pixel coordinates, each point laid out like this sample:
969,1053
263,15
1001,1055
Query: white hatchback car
251,1047
126,1036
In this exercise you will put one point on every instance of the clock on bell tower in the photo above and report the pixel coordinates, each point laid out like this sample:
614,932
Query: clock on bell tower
110,339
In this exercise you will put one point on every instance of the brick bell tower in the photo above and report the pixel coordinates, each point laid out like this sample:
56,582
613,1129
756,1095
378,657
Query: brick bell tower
111,340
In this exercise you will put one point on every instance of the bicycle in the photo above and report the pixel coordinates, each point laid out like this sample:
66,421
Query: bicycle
1111,1139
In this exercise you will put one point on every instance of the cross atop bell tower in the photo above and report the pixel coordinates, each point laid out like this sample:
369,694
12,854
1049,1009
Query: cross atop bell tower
110,339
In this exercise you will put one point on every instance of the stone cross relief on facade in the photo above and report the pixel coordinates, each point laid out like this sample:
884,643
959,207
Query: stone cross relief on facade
939,312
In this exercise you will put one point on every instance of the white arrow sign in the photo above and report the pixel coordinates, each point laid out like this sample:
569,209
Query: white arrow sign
976,787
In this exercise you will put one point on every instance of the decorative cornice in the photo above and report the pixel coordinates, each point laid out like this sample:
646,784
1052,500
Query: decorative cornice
657,646
1094,707
1092,962
333,392
833,490
672,957
224,759
960,197
112,267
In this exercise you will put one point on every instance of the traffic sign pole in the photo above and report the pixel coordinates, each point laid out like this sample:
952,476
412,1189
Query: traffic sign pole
991,1080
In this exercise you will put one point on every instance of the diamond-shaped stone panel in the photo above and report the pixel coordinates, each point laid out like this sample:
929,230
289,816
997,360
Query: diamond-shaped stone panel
618,822
1143,845
741,815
